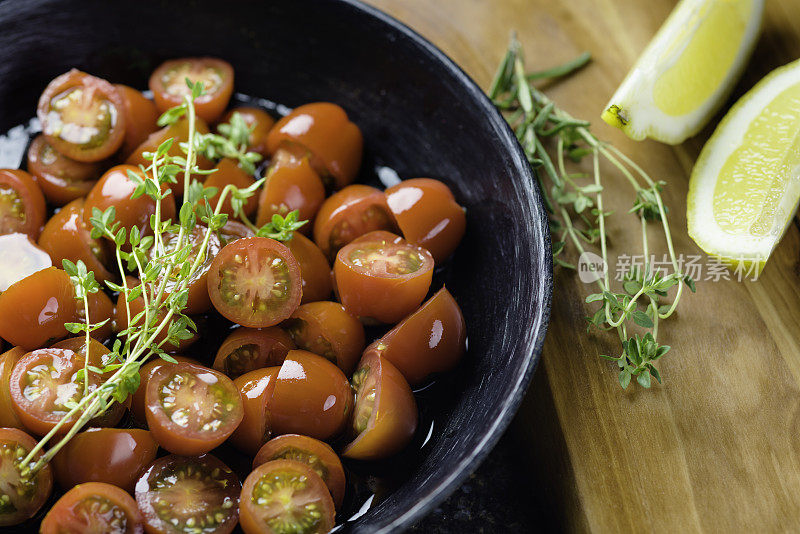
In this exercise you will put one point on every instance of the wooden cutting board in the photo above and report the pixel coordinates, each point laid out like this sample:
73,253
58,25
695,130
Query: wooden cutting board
716,448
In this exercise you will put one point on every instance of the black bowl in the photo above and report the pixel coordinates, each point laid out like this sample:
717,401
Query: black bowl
421,116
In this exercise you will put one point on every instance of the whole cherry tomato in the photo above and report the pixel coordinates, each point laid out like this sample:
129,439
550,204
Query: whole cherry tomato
256,388
248,349
22,207
260,123
20,259
314,268
61,179
145,373
8,417
93,507
323,131
168,83
140,118
230,173
291,185
22,496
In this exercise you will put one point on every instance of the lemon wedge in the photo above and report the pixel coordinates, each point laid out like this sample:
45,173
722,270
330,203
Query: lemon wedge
745,186
687,71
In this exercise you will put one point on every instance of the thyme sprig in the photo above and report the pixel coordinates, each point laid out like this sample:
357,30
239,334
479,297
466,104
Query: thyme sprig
232,141
574,201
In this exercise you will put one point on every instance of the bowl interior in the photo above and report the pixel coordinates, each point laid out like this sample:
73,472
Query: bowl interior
420,116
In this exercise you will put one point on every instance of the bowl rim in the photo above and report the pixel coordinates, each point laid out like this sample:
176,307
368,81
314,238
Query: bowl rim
532,354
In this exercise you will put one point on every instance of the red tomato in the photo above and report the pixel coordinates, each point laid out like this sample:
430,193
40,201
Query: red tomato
382,280
260,123
428,215
93,507
324,132
256,388
22,208
285,496
145,374
230,173
22,497
314,268
312,397
140,118
248,349
8,417
61,179
82,116
291,185
33,311
189,495
20,259
325,328
385,416
317,454
348,214
168,83
191,409
234,230
255,282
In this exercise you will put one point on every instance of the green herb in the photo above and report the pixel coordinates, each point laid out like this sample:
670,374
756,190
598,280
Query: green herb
231,142
281,228
577,216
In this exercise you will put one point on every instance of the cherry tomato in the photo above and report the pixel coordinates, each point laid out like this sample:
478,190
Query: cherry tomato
256,388
314,268
191,409
8,417
178,494
234,230
20,497
100,309
255,282
61,179
312,397
352,212
22,207
20,259
168,83
67,235
285,496
381,280
428,215
83,117
145,374
380,235
385,416
248,349
99,355
140,118
230,173
93,507
325,328
323,130
260,123
33,311
291,185
317,454
115,456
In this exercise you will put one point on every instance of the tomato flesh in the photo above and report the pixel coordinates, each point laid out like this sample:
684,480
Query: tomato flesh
248,349
20,498
168,83
94,507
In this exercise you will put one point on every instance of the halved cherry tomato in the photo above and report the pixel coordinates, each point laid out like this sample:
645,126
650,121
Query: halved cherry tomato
430,340
67,235
61,179
256,388
99,355
93,507
255,282
317,454
352,212
33,311
325,328
20,497
285,496
312,397
168,83
248,349
380,235
260,123
140,118
8,417
115,456
22,207
428,215
145,374
230,173
314,268
385,416
291,185
191,409
20,259
82,116
178,494
381,280
324,132
234,230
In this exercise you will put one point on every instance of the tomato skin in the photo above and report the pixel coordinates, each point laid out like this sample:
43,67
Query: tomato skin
428,215
291,185
61,179
33,311
21,258
168,85
312,397
140,118
248,349
53,119
326,329
354,211
145,374
256,388
315,271
234,230
8,417
36,491
393,418
230,173
260,123
324,130
317,454
85,508
22,206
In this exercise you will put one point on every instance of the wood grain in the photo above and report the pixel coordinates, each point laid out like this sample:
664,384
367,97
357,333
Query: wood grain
717,447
